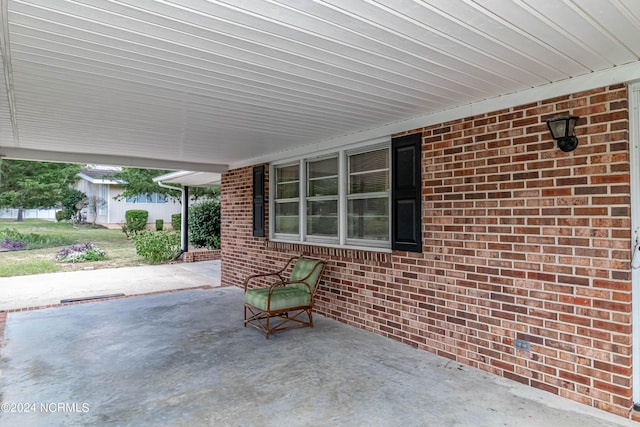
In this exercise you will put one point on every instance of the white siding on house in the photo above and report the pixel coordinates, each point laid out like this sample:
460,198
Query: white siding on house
112,212
156,210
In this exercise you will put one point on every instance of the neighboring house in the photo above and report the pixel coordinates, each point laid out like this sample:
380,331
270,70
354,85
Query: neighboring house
98,182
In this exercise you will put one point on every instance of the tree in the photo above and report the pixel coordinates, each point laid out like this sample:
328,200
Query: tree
197,193
30,185
140,181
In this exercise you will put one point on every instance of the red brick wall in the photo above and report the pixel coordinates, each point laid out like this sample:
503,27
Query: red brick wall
197,255
521,241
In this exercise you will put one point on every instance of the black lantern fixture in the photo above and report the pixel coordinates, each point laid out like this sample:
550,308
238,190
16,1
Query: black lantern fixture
562,131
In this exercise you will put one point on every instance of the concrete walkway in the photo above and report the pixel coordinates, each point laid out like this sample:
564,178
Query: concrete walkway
184,359
46,289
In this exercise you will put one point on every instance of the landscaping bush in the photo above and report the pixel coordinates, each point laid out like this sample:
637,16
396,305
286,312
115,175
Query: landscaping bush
11,234
11,239
72,203
176,222
81,253
136,220
157,246
60,216
204,224
159,224
12,244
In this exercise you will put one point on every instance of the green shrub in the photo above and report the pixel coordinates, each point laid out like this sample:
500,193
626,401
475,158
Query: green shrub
37,241
159,224
11,239
60,216
11,233
136,220
204,224
157,246
176,222
72,203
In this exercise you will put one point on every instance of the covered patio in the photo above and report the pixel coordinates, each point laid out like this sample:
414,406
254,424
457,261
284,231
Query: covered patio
505,252
184,358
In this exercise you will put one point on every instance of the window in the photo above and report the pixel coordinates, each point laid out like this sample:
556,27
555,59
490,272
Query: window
340,199
368,198
147,198
287,202
322,198
102,201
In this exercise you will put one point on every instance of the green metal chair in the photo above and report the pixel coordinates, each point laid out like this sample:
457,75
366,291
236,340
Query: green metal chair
288,302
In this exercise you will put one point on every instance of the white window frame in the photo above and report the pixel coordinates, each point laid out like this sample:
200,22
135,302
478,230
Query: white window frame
317,238
347,197
342,241
103,199
272,203
133,200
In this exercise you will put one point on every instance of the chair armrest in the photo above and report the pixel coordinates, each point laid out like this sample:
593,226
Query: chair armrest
275,285
274,273
255,276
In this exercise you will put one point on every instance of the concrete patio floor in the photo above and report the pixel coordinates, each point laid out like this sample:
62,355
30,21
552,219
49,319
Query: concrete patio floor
184,358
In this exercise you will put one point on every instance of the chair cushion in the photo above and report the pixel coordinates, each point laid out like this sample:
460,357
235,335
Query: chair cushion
282,297
302,269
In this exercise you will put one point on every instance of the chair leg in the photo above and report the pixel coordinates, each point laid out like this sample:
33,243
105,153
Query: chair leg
284,320
245,316
268,326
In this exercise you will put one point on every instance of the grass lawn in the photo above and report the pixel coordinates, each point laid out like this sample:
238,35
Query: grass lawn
120,251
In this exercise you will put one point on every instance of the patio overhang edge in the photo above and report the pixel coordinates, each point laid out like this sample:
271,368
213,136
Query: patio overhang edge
116,160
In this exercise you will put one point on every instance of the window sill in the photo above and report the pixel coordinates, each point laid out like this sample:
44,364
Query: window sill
380,255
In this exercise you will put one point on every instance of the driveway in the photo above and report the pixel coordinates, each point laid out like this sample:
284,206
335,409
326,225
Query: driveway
184,358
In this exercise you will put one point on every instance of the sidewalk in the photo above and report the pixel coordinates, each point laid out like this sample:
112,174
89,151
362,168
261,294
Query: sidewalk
45,289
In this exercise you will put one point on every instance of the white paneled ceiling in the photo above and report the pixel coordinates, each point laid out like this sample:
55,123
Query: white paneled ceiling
201,85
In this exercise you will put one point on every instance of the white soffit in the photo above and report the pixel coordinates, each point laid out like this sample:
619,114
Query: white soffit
204,85
191,179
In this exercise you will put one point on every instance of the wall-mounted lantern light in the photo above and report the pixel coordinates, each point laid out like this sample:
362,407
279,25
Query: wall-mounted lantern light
562,131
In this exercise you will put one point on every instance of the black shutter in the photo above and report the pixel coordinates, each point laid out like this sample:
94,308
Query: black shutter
258,201
406,229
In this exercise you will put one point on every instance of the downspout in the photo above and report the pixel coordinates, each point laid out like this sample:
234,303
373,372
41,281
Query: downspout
184,229
184,222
